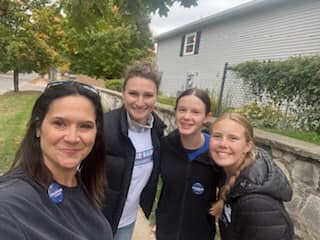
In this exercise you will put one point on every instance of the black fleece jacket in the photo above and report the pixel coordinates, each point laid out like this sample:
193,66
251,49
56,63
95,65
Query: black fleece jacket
120,157
255,207
188,190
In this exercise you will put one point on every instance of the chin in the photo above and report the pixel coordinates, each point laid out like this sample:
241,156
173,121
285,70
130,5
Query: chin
185,133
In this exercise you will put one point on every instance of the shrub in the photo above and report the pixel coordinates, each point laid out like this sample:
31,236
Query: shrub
295,80
114,84
261,116
167,100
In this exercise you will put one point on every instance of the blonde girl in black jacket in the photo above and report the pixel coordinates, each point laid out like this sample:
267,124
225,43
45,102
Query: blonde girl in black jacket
250,204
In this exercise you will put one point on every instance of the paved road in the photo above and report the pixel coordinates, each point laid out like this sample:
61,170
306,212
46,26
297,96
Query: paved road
6,81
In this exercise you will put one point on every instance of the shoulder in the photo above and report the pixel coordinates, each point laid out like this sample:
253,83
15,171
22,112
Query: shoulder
17,196
172,139
115,123
256,202
158,123
16,190
114,114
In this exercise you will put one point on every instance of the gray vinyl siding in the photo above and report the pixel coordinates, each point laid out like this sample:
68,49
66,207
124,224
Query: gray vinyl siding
276,32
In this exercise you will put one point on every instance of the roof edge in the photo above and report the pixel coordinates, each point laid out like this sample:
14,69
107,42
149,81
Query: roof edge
226,14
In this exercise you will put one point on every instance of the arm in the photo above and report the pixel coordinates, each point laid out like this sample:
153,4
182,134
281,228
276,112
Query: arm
261,217
9,228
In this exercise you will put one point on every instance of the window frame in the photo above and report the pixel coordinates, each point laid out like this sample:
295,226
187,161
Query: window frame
186,44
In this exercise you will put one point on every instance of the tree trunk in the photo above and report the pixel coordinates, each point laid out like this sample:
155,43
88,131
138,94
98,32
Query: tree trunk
52,73
16,80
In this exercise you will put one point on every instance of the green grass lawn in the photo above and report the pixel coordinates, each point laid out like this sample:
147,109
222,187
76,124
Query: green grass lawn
311,137
15,110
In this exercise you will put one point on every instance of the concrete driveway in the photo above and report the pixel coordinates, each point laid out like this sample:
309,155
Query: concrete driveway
6,82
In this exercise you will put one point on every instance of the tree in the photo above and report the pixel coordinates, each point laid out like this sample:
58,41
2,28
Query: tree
105,49
23,43
84,13
40,34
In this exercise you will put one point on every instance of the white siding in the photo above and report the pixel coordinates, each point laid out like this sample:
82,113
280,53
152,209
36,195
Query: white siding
285,30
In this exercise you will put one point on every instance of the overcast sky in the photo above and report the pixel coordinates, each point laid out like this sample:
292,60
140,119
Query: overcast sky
179,16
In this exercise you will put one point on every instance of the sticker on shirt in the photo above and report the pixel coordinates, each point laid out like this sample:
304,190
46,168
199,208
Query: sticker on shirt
226,216
197,188
55,192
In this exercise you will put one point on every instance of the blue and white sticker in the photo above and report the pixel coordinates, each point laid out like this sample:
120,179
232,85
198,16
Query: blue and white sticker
197,188
55,192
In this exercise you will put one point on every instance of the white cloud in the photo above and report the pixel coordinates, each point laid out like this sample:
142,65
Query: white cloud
179,16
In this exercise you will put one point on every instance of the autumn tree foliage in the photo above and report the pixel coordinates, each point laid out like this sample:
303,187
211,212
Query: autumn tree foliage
95,37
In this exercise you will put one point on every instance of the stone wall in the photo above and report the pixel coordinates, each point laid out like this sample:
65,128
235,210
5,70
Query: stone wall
300,161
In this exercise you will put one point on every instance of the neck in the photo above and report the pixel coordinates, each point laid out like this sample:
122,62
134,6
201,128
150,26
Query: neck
231,170
192,141
66,179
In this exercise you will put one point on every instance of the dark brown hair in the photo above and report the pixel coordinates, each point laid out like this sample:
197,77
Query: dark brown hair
201,94
29,154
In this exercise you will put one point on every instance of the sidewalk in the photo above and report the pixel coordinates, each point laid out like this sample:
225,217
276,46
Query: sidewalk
143,229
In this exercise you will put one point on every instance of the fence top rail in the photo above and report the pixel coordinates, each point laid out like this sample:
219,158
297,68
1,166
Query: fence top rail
291,145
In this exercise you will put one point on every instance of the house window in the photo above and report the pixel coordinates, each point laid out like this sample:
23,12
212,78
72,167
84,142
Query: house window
190,44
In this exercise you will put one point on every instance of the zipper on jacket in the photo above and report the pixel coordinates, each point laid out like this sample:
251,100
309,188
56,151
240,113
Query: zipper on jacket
185,190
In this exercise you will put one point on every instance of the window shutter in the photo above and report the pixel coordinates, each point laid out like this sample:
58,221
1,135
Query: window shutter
182,45
196,50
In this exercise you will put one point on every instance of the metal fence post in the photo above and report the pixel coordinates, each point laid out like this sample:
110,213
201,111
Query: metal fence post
221,89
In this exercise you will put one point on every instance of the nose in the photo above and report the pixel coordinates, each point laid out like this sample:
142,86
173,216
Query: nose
140,101
187,115
222,142
72,135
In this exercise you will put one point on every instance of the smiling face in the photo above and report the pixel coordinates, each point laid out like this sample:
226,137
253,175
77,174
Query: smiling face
67,134
190,115
229,144
139,97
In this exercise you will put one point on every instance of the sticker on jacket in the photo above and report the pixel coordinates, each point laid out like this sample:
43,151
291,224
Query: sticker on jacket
197,188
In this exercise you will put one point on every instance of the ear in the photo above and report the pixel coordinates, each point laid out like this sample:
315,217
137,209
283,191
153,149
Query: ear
206,120
249,147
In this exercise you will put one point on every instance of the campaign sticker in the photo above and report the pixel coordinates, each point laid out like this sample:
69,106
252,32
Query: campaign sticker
55,192
197,188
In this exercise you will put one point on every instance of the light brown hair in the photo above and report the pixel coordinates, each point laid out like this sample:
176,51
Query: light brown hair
147,70
217,207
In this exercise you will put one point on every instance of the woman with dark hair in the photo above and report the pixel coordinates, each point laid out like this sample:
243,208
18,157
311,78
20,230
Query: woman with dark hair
250,204
189,179
56,183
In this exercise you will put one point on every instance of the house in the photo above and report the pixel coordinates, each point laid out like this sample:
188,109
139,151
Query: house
195,54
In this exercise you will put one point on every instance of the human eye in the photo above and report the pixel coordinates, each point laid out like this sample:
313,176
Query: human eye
86,126
216,135
148,95
195,112
234,138
59,123
181,110
133,94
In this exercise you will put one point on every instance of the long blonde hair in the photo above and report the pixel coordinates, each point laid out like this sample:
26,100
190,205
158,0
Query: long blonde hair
217,207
